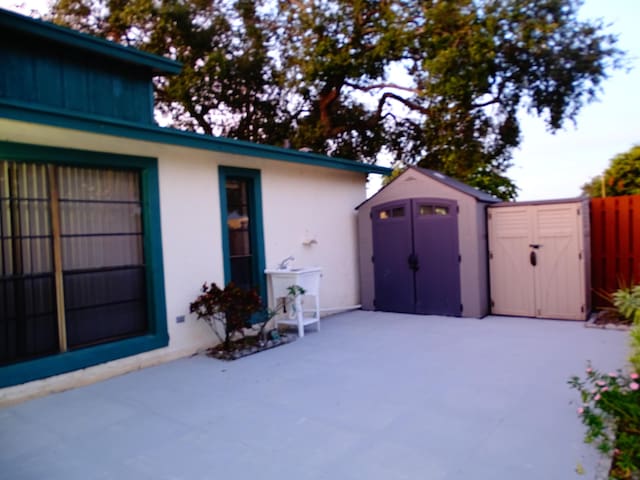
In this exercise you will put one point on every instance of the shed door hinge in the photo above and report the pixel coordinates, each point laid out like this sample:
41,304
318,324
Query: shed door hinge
578,211
370,214
461,308
490,255
373,259
582,308
580,256
459,258
492,303
489,216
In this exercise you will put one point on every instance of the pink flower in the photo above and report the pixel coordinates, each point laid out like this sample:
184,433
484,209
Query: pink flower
634,376
597,397
601,383
604,389
634,386
613,374
589,370
580,411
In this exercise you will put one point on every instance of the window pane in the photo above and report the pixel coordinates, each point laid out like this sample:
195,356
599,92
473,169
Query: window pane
239,228
28,322
391,213
433,210
102,254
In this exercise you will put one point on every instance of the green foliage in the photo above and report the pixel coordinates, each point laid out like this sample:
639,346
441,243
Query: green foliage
622,176
634,335
432,83
398,169
611,412
627,302
231,308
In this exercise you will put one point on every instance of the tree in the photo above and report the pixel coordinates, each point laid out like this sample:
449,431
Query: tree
439,84
433,83
622,176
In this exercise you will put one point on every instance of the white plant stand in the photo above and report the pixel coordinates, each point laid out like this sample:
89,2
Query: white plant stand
308,278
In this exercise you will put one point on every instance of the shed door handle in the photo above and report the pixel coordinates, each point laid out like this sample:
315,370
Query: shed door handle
533,258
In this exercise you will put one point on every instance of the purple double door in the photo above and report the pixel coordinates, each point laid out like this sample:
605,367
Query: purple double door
416,256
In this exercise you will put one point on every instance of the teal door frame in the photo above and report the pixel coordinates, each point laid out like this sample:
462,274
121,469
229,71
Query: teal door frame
256,227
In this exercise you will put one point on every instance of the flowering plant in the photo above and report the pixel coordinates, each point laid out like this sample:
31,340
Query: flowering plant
611,412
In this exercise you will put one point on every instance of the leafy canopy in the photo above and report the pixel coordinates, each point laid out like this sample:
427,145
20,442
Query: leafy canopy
622,176
433,83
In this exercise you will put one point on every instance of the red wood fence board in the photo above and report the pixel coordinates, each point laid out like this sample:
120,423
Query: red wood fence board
615,244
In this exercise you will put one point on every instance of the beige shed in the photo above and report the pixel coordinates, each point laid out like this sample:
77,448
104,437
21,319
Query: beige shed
540,258
423,246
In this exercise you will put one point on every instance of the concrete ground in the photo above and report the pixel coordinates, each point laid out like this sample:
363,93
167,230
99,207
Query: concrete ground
372,396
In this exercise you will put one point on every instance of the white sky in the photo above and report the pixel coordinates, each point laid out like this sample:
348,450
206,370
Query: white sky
555,166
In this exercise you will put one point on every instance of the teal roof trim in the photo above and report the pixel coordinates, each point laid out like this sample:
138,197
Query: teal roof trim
46,31
152,133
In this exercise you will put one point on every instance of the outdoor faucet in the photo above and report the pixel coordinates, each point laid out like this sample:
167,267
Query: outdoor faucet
283,264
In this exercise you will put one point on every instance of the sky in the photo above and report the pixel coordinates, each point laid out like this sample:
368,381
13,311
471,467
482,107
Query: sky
549,166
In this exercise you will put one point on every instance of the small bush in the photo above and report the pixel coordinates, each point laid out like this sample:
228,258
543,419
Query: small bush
230,308
627,302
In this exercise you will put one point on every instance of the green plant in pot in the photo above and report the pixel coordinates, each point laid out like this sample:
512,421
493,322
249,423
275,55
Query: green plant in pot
229,309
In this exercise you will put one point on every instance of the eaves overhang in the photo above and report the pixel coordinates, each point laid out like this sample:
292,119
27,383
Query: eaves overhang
49,116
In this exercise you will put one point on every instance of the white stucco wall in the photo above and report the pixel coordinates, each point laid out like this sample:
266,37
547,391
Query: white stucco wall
300,203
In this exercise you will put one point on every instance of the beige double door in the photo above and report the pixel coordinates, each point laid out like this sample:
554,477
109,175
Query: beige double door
537,260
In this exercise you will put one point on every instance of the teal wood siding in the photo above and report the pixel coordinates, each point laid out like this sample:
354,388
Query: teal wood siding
76,81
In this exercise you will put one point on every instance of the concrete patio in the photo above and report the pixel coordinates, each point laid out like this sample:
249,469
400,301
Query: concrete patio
372,396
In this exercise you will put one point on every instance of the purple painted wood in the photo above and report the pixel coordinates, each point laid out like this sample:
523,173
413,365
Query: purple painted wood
392,245
435,229
416,256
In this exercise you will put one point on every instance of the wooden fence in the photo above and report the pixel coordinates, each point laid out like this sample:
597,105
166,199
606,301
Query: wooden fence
615,244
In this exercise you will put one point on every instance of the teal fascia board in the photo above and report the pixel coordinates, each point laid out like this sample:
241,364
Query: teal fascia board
25,112
49,32
77,359
157,335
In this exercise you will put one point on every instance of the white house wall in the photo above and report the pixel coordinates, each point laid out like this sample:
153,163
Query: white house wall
308,213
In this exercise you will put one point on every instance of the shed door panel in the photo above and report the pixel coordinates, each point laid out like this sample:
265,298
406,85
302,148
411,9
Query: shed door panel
435,224
392,245
558,287
512,277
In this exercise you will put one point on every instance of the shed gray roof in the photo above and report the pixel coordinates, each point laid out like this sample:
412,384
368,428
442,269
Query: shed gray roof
479,195
458,185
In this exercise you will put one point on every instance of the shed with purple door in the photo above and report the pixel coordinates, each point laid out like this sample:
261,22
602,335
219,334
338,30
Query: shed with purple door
423,246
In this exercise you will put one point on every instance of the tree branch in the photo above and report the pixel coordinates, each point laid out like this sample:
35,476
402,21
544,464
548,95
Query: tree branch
379,86
407,103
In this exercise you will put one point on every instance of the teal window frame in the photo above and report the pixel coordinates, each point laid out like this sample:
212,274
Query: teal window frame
256,225
157,335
